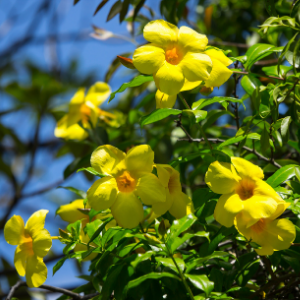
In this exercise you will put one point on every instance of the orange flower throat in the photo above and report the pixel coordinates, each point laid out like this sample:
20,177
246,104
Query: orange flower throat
126,183
173,56
245,189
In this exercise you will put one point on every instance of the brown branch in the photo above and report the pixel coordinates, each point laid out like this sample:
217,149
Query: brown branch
217,140
52,289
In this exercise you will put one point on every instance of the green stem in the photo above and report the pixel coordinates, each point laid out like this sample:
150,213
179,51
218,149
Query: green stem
200,127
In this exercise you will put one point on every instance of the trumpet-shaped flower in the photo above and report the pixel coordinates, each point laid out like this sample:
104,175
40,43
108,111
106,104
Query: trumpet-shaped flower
243,190
172,56
177,202
84,108
129,180
33,243
270,233
218,76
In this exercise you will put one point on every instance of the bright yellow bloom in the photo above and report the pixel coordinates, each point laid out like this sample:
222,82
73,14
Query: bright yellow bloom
33,243
172,56
271,234
128,177
177,202
84,108
71,213
243,190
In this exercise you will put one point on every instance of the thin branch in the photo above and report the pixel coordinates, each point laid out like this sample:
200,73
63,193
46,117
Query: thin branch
259,75
52,289
217,140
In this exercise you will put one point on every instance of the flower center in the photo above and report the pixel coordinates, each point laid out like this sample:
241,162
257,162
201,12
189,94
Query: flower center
173,56
85,112
259,226
245,188
126,183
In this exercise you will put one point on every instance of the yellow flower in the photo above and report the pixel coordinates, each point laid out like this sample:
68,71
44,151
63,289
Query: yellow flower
271,234
33,243
172,56
177,202
243,190
218,76
128,178
84,108
71,213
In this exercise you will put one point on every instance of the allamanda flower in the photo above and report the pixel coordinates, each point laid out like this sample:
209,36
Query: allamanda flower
71,213
33,243
129,180
271,234
243,190
177,202
218,76
84,108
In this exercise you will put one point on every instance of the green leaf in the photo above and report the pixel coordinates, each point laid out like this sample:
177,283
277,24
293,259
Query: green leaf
201,282
91,171
180,226
91,228
282,175
273,70
101,4
100,229
124,10
222,100
292,54
168,262
257,52
59,264
137,81
231,141
136,282
159,114
285,128
195,115
265,140
115,9
80,193
250,83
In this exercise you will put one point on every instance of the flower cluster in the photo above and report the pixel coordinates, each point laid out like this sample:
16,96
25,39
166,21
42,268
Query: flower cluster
179,60
250,204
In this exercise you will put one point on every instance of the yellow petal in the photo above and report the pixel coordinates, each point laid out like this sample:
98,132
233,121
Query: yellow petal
148,59
161,208
149,189
182,205
263,189
258,207
14,230
70,213
228,206
103,193
265,250
221,177
105,158
191,40
36,222
196,66
36,271
190,85
281,207
169,78
164,100
98,93
247,169
140,158
163,173
78,98
220,56
67,128
218,75
20,259
128,210
41,243
160,32
282,233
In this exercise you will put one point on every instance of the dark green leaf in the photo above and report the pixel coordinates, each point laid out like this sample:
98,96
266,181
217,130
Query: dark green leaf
270,7
285,128
59,264
115,9
99,230
91,228
195,115
159,114
137,81
265,140
201,282
282,175
137,9
168,262
124,10
101,4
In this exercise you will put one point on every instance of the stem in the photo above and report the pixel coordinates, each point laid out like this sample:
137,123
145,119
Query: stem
200,127
258,75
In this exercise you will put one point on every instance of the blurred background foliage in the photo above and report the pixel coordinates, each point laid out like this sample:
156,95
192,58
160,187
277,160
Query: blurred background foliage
39,75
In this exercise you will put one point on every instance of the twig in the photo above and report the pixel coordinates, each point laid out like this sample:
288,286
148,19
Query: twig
179,124
51,288
217,140
258,75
